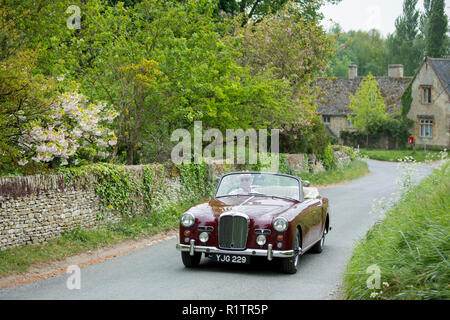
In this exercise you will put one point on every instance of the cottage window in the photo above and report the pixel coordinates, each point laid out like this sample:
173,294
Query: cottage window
426,128
326,119
426,95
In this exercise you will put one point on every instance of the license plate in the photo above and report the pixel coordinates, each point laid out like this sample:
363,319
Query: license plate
229,258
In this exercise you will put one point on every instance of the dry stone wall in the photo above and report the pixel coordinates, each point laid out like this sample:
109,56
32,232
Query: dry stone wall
35,209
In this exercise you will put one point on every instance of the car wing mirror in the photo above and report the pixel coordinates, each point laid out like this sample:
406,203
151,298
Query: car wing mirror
306,183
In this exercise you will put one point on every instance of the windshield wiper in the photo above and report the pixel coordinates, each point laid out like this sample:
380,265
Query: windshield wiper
252,194
256,194
286,198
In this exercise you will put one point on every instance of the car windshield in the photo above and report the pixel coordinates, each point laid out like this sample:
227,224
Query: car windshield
259,184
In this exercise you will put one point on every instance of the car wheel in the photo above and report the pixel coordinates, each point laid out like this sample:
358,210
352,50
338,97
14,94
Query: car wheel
318,247
290,265
191,261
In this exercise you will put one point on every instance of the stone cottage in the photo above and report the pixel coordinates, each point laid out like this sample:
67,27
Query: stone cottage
430,107
335,98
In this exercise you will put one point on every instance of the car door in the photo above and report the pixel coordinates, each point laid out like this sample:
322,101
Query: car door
312,221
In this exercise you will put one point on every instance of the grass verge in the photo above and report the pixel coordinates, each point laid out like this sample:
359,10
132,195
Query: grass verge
395,155
354,170
410,246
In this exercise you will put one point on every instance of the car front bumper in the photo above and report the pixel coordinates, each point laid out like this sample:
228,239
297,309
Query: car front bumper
269,253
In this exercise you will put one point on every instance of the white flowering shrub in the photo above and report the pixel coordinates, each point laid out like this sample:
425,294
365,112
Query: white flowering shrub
74,128
408,170
432,157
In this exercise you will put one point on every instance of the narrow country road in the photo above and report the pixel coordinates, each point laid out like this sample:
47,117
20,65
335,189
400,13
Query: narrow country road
156,272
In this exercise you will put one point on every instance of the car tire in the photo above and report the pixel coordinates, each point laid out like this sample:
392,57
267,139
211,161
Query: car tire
318,247
290,265
191,261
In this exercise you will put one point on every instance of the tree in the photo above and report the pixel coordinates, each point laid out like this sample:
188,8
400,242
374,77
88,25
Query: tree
295,49
256,10
193,69
367,106
436,37
367,49
73,129
36,122
136,81
42,24
404,45
161,64
425,16
24,95
370,48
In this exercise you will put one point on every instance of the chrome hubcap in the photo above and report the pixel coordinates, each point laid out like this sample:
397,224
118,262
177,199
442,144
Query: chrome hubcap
297,247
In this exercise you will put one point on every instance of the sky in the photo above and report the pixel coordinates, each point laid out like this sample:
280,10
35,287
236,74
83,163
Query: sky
368,14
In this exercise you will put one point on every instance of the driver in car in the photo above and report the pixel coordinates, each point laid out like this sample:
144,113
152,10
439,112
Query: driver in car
245,187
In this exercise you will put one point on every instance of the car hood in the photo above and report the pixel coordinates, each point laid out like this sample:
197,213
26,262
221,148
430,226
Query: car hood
260,208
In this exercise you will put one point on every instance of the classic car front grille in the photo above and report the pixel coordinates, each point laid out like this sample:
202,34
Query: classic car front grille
233,231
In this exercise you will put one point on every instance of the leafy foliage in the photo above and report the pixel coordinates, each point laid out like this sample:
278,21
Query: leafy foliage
437,38
405,45
329,161
395,128
407,100
162,65
367,106
256,10
409,44
367,49
122,190
24,96
291,47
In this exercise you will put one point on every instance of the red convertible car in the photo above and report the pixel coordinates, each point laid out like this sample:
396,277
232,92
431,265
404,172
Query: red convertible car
255,214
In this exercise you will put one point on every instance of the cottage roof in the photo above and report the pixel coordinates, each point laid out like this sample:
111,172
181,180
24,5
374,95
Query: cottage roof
442,69
335,96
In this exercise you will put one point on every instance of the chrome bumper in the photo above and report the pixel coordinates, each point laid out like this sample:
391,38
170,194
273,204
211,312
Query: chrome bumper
269,253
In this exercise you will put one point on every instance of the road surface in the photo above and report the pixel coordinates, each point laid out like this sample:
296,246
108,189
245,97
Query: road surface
156,272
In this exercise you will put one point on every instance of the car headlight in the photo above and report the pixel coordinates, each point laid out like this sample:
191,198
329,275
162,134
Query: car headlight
261,240
204,237
187,220
280,224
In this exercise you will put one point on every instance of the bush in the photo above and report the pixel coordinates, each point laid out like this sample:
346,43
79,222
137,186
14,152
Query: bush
352,152
284,167
395,128
310,140
328,159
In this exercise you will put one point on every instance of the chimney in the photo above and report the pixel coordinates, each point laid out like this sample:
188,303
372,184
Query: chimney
352,71
395,71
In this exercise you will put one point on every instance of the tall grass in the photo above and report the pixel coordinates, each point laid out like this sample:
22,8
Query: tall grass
410,246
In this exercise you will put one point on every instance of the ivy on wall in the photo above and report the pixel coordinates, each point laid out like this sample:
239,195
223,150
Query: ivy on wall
407,100
141,191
